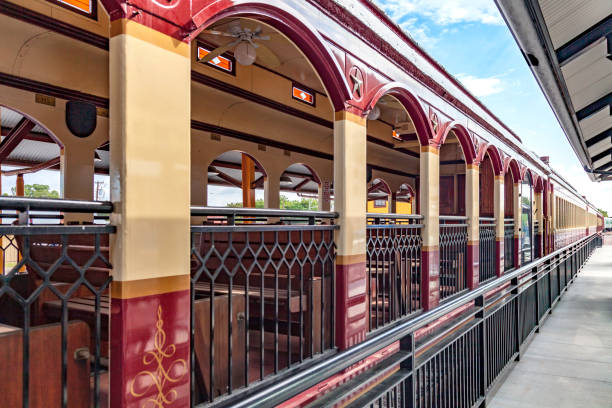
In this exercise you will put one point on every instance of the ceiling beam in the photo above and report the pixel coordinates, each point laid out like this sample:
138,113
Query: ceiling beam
33,169
583,40
35,136
601,103
598,138
230,179
602,155
15,136
301,184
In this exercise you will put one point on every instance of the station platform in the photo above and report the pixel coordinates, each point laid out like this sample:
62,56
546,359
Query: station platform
569,363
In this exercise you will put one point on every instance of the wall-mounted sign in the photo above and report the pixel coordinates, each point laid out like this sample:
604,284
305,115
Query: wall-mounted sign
303,94
87,8
225,62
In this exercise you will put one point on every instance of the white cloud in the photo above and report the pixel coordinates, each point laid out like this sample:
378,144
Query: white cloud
481,86
444,12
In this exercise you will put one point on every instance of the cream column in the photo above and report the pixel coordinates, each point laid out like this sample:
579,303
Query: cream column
199,172
350,203
539,217
149,178
430,210
325,195
472,211
518,211
272,190
499,213
77,174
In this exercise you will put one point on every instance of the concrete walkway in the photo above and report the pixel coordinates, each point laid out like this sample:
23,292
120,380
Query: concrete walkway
569,363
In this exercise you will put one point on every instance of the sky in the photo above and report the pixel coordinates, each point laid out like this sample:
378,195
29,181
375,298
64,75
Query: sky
470,39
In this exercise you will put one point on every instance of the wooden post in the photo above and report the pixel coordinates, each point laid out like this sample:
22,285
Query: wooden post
248,177
20,186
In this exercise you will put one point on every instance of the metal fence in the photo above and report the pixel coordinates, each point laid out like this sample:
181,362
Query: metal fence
262,295
54,304
509,248
487,249
453,255
455,364
537,245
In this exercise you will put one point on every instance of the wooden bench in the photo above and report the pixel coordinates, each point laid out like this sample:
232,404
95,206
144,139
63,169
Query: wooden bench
45,366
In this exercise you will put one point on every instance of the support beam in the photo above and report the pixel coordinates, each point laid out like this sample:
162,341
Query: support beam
19,132
429,196
603,102
583,40
518,211
20,186
33,169
248,176
498,213
301,184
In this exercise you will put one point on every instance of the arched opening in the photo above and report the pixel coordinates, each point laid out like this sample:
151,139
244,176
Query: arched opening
395,128
405,199
236,179
527,237
299,188
453,220
487,220
379,197
261,122
511,176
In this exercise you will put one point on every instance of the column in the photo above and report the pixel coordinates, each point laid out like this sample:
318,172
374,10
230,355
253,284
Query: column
539,217
325,195
248,177
350,202
149,183
498,213
272,190
472,211
518,211
393,203
77,174
430,210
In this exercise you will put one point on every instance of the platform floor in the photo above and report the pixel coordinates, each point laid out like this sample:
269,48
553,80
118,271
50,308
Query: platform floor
569,363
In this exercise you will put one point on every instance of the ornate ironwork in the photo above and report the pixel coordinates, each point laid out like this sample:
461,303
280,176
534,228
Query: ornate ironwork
262,295
54,300
487,249
453,255
509,248
394,267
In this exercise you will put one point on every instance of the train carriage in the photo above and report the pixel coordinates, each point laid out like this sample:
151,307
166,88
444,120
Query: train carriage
428,231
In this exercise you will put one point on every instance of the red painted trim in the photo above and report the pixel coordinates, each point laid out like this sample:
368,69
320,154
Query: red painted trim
495,156
465,140
473,265
351,304
430,278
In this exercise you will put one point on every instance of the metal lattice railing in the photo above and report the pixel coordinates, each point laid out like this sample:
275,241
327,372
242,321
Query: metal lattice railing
536,238
487,249
509,248
393,267
54,304
453,255
262,295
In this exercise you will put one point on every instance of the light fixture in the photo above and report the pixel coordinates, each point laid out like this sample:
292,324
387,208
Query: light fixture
285,180
212,171
245,53
97,158
374,113
609,40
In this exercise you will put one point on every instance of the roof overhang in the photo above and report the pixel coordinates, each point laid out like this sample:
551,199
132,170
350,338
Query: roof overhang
568,50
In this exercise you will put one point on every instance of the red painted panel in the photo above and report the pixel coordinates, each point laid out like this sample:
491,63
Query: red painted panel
150,351
430,278
351,304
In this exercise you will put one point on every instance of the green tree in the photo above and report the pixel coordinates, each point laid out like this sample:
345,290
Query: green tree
603,212
285,204
37,191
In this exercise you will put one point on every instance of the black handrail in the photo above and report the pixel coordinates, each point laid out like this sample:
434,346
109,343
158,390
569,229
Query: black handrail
54,204
312,375
259,212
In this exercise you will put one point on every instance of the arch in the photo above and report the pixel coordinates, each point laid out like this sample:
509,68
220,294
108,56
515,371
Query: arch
410,103
496,160
298,180
36,122
513,167
379,184
465,140
539,184
294,26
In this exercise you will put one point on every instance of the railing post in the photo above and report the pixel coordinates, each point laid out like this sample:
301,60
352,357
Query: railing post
539,204
429,197
480,303
517,314
350,199
547,265
498,202
517,224
407,344
536,284
150,99
472,204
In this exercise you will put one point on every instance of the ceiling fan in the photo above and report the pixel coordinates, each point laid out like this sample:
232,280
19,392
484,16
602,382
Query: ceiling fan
246,50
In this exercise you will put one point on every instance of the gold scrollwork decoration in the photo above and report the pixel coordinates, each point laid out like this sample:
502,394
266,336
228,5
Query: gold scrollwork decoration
159,376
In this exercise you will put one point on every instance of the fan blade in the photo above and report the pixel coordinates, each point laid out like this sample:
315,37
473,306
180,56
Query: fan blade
221,33
218,51
261,37
265,55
